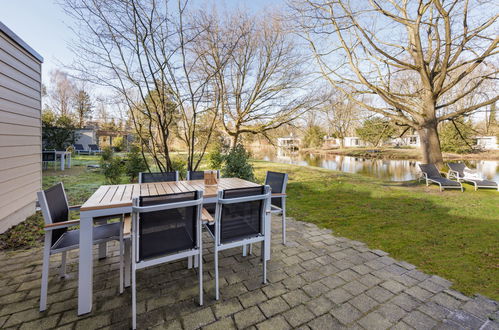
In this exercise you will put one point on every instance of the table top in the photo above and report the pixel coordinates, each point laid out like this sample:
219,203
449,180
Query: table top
121,195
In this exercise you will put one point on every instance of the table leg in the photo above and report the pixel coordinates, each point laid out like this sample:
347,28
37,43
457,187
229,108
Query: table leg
102,246
69,160
128,259
85,268
62,162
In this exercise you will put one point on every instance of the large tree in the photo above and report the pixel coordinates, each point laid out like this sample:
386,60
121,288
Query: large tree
262,85
146,51
61,92
411,55
83,106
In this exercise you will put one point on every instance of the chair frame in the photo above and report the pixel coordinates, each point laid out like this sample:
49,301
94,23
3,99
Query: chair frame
428,180
91,151
45,162
135,237
218,246
140,176
459,178
80,152
189,174
282,210
48,250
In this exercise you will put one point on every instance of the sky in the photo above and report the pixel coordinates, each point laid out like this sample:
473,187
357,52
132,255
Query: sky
43,25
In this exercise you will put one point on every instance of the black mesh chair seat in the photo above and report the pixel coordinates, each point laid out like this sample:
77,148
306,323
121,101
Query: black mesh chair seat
431,170
158,177
78,147
71,238
199,175
446,182
457,167
485,183
48,156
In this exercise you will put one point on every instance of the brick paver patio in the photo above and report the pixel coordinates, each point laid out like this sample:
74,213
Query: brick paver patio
317,281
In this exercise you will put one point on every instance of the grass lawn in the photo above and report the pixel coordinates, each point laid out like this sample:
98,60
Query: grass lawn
451,234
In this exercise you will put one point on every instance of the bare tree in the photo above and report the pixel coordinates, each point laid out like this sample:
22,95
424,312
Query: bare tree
368,47
261,86
61,92
342,115
144,50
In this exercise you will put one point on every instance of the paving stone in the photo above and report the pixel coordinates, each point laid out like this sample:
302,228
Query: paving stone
252,298
223,324
273,290
320,305
275,323
346,313
405,280
273,306
355,287
475,308
312,275
315,289
374,321
23,316
419,293
466,319
446,300
248,317
339,295
332,281
198,319
294,282
296,297
325,322
363,303
95,322
392,286
379,294
391,312
419,320
361,269
401,326
405,302
48,322
168,325
434,310
431,286
227,307
370,280
298,315
457,295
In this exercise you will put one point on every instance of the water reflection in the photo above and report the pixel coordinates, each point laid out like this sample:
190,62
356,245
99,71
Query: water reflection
387,169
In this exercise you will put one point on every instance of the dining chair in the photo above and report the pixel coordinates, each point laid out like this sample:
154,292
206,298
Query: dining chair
277,182
240,221
58,239
198,175
147,177
49,156
166,228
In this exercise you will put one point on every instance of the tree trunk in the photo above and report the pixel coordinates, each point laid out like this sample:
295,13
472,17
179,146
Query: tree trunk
430,144
235,140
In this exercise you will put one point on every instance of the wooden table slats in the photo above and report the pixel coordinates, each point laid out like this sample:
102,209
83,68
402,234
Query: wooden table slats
110,196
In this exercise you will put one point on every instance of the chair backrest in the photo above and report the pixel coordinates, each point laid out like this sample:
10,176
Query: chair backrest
431,170
78,147
145,177
239,220
48,156
458,167
171,226
198,175
277,182
55,208
93,147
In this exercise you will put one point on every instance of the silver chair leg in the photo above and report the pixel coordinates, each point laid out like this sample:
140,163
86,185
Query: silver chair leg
251,249
264,263
245,250
189,262
122,242
128,260
196,262
134,300
62,270
216,275
200,270
284,221
45,271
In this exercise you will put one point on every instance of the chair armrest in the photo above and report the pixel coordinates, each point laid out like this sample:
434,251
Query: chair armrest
279,195
74,207
127,224
206,216
442,173
62,224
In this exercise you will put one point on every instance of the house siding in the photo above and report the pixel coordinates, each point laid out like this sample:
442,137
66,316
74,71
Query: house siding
20,129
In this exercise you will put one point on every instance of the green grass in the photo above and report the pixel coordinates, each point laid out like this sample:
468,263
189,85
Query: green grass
451,234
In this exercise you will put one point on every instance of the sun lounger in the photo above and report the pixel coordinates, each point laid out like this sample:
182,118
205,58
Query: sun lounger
78,148
433,175
461,172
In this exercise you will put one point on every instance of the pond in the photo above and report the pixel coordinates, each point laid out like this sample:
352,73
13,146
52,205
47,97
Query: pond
386,169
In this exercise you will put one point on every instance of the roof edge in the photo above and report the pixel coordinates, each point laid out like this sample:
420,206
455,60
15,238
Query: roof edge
14,37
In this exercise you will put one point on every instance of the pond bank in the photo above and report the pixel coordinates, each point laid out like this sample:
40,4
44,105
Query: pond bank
402,153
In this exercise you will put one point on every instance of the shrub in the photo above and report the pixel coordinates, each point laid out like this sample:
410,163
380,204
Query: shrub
237,164
452,140
216,157
112,166
119,144
179,165
313,137
134,164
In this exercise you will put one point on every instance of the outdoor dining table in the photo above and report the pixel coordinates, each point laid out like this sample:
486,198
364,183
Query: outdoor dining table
117,199
65,158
